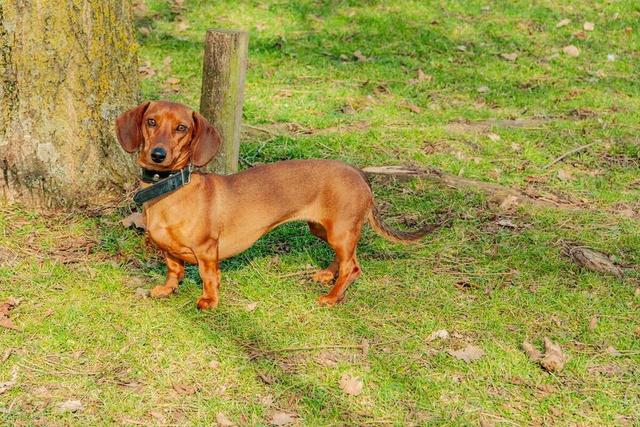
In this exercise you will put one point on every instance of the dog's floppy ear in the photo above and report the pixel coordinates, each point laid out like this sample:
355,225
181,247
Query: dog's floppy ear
129,127
205,142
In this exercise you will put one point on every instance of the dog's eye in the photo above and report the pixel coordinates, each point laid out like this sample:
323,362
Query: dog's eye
151,123
181,128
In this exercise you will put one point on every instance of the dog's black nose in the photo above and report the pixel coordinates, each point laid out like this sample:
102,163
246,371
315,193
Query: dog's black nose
158,154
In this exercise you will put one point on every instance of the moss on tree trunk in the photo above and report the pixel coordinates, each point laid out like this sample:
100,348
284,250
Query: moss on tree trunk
67,69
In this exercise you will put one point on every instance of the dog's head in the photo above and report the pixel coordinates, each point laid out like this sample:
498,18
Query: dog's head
168,135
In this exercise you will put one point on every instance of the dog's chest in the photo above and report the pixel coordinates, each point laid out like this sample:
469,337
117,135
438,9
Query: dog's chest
170,238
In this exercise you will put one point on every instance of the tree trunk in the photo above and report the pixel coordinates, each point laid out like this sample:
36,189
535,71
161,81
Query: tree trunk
67,69
224,69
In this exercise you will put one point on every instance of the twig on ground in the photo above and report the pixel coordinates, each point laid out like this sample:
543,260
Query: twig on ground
504,195
316,348
569,153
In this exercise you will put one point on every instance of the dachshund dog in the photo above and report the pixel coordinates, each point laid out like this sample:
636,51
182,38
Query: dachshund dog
206,218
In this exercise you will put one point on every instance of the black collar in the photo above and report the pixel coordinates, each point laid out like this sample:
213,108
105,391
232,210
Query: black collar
163,183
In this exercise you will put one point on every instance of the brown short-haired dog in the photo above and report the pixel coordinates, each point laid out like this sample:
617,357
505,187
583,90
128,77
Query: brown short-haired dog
204,218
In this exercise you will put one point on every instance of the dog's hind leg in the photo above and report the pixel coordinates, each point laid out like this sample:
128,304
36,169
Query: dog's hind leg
343,239
328,274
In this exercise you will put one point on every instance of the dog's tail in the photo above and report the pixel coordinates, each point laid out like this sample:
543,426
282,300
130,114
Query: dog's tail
396,235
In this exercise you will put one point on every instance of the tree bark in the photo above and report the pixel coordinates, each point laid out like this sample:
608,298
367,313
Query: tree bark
67,69
224,69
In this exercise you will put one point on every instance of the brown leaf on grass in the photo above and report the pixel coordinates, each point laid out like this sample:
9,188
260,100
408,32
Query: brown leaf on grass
223,421
593,323
588,26
483,89
71,406
564,175
422,77
183,25
359,56
328,359
593,260
5,308
184,389
509,56
142,293
146,70
563,23
571,50
145,31
158,416
7,385
351,385
172,81
608,370
281,419
136,220
412,107
554,359
442,334
532,353
468,354
493,136
267,379
611,351
251,307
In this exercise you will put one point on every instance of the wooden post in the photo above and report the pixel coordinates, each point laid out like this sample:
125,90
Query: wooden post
224,69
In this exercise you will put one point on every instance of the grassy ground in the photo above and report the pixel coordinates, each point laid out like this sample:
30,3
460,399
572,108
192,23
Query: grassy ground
84,335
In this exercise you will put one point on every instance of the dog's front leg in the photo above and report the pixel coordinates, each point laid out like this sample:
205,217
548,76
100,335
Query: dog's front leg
175,273
210,275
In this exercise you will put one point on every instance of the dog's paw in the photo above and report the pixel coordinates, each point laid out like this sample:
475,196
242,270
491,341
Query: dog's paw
323,276
161,291
329,300
207,303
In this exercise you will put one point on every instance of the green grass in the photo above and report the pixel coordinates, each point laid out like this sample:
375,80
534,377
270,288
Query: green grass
85,336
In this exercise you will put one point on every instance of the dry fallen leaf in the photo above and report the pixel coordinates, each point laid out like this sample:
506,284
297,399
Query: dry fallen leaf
493,136
184,389
359,56
327,359
136,219
594,260
223,421
468,354
281,419
413,107
142,293
608,370
563,23
611,351
564,175
483,89
12,382
351,385
172,81
158,417
71,406
422,77
532,353
571,50
251,306
442,334
508,203
554,359
593,323
588,26
509,56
